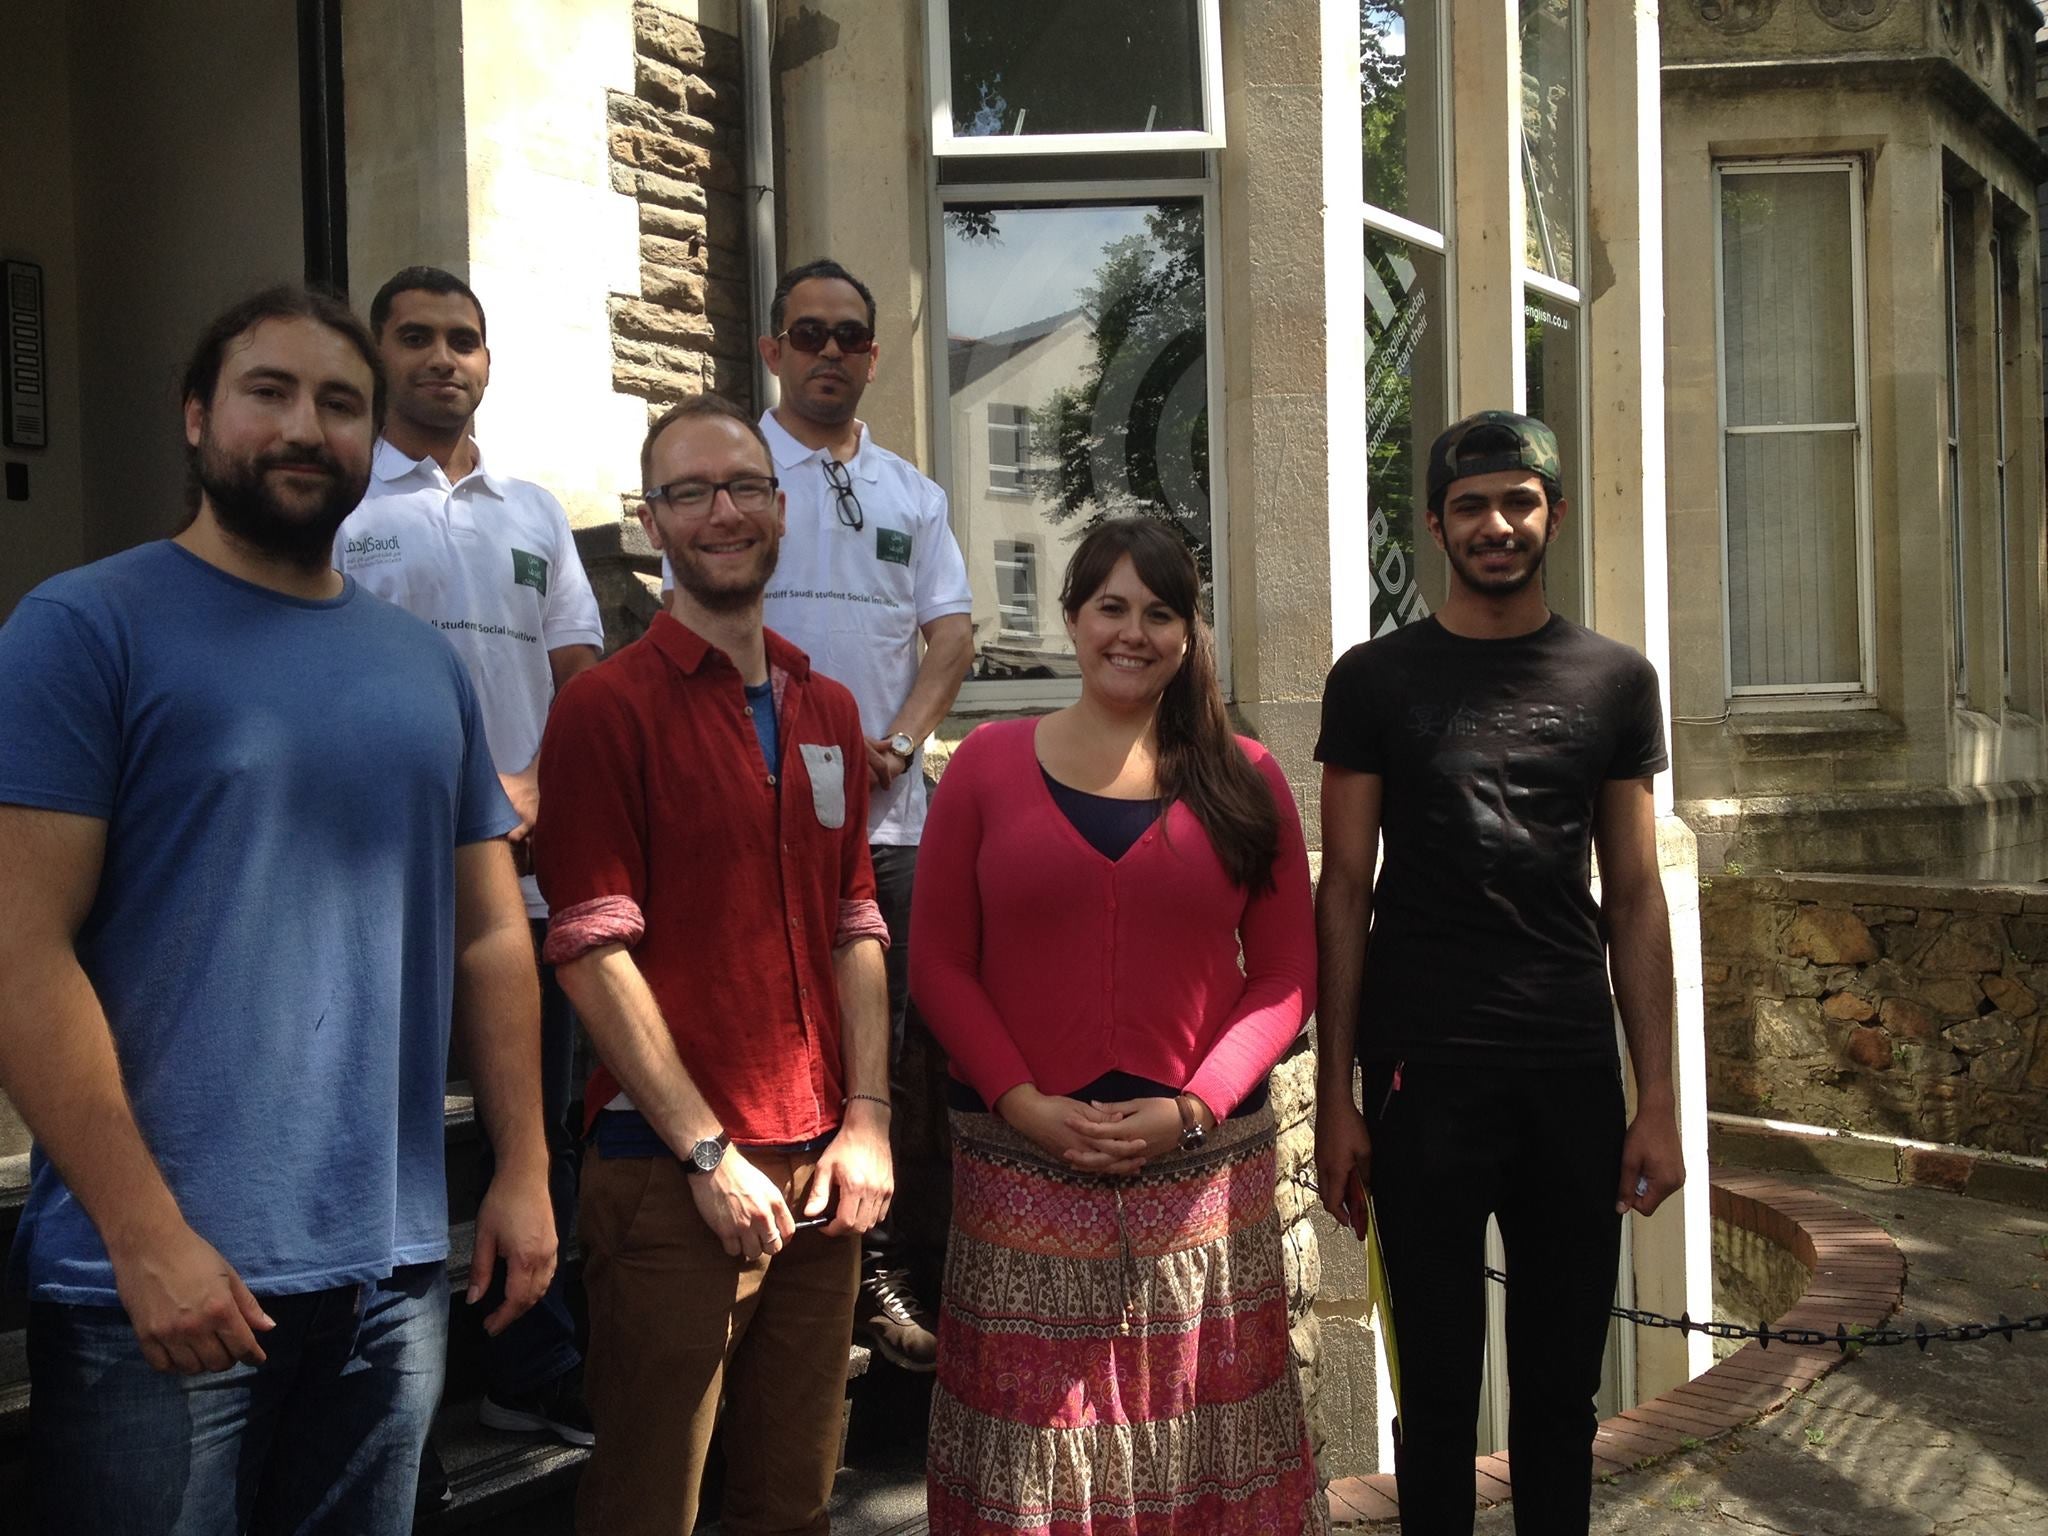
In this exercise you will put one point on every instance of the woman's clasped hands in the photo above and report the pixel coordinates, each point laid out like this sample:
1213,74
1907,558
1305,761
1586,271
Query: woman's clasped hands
1112,1138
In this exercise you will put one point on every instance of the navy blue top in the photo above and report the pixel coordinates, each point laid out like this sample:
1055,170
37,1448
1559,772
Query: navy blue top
1110,826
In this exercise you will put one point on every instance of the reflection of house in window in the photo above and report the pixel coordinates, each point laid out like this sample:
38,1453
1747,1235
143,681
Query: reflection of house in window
1009,448
1016,583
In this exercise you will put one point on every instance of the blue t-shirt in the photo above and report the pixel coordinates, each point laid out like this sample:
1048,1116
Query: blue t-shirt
284,783
761,709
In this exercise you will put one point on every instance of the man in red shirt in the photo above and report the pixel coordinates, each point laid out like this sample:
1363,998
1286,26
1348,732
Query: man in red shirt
703,849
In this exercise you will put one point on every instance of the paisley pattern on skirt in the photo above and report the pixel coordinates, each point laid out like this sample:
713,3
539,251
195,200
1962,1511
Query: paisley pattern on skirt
1113,1356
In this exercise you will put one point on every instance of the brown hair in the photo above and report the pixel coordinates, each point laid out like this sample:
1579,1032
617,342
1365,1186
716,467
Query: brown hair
1200,763
696,408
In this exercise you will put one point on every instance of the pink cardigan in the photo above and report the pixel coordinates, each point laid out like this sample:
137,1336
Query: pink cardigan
1034,959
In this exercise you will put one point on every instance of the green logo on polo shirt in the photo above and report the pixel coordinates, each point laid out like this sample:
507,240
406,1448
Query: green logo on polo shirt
892,544
529,570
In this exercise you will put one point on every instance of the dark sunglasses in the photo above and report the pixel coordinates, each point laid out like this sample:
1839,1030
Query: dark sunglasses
811,336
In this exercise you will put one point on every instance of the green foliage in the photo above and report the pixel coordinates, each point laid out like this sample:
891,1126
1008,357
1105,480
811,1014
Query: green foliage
1816,1436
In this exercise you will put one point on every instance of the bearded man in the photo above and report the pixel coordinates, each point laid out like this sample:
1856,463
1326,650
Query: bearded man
253,850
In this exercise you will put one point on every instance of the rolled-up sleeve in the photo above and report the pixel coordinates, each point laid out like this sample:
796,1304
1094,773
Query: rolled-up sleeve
590,843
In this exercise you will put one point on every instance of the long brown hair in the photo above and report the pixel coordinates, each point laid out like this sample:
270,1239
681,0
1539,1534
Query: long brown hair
1200,763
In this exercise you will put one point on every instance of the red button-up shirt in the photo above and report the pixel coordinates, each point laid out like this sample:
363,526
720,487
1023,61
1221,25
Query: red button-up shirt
663,828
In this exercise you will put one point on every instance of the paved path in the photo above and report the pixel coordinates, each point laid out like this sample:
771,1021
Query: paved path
1953,1442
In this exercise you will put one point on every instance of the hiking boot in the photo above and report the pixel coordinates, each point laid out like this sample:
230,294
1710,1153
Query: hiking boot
889,1317
556,1408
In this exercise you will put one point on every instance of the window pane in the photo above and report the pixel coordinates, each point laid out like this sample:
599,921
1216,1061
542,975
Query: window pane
1088,322
1792,559
1075,66
1405,402
1103,165
1550,362
1402,109
1550,135
1787,301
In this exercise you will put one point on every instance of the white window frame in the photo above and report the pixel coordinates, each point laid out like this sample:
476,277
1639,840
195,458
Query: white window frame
1020,431
2001,443
1853,169
1025,555
939,83
1952,410
1529,280
1377,220
989,695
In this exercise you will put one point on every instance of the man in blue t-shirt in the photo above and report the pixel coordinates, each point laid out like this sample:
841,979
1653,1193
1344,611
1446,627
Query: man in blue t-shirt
251,849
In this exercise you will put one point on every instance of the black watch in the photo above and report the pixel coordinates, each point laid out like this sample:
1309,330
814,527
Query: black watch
1191,1133
706,1155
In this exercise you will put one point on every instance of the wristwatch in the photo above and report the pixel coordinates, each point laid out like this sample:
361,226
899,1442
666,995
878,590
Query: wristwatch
902,746
1191,1132
706,1155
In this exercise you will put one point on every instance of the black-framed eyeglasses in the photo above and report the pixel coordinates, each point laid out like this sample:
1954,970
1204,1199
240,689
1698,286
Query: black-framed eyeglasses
853,337
844,502
749,493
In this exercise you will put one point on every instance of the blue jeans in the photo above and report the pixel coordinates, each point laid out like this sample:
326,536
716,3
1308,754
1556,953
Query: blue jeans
324,1436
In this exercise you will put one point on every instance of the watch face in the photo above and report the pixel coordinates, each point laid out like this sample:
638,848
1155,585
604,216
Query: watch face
705,1155
902,745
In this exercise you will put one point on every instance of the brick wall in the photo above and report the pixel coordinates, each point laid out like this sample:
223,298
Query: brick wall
1903,1007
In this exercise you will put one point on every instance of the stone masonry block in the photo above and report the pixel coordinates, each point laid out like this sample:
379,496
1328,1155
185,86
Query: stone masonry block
1994,1031
2028,937
1847,1006
2010,997
1939,1170
1788,1028
1830,936
1347,1398
1868,1047
1953,997
661,34
1302,1264
673,288
1969,944
667,324
1904,1017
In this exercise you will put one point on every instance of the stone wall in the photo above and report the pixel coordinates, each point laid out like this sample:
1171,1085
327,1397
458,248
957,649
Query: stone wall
677,148
1903,1007
1294,1117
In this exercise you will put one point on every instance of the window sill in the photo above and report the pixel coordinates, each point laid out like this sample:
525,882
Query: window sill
1861,723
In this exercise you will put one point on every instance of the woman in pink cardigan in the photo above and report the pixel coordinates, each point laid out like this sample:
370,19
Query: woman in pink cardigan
1112,937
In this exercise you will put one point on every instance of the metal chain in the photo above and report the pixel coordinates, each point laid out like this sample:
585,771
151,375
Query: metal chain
1844,1337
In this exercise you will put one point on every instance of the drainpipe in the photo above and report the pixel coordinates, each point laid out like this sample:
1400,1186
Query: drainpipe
756,48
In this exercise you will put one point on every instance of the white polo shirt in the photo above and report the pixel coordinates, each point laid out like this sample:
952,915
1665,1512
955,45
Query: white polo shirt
490,562
855,600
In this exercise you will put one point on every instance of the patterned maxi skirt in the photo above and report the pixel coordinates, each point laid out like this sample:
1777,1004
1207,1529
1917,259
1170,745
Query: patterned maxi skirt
1113,1352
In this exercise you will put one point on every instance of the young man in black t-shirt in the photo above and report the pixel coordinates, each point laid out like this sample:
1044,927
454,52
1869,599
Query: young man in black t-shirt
1491,746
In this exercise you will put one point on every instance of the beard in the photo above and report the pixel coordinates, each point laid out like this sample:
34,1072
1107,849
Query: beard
297,529
733,593
1505,585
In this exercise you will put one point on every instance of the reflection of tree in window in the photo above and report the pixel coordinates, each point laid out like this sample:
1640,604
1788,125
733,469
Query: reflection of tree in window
1074,66
1383,88
1131,436
1550,169
1397,321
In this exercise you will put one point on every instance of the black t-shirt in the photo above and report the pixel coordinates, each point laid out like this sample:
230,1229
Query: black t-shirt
1486,941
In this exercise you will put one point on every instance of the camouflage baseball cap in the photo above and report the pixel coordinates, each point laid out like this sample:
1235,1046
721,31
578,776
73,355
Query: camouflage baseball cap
1490,441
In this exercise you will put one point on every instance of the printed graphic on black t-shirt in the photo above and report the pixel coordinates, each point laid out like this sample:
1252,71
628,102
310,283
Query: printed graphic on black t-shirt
1486,941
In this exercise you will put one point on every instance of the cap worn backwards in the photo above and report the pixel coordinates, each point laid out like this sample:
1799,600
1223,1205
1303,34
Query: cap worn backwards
1489,441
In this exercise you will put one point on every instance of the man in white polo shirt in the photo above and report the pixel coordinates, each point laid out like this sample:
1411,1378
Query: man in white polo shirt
490,561
869,569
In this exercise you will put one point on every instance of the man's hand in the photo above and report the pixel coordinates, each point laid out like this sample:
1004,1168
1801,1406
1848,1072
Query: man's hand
1652,1160
516,1223
1125,1136
884,766
742,1207
857,1165
523,790
190,1311
1343,1153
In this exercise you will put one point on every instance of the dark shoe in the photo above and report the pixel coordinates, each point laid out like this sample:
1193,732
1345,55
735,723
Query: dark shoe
556,1408
889,1317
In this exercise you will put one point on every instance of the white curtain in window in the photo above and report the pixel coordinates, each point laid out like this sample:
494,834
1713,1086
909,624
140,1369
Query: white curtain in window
1789,362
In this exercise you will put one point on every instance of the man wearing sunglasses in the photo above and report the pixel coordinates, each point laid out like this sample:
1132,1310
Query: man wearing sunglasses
870,574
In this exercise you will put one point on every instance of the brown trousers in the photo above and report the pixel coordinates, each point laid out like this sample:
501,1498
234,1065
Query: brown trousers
675,1323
